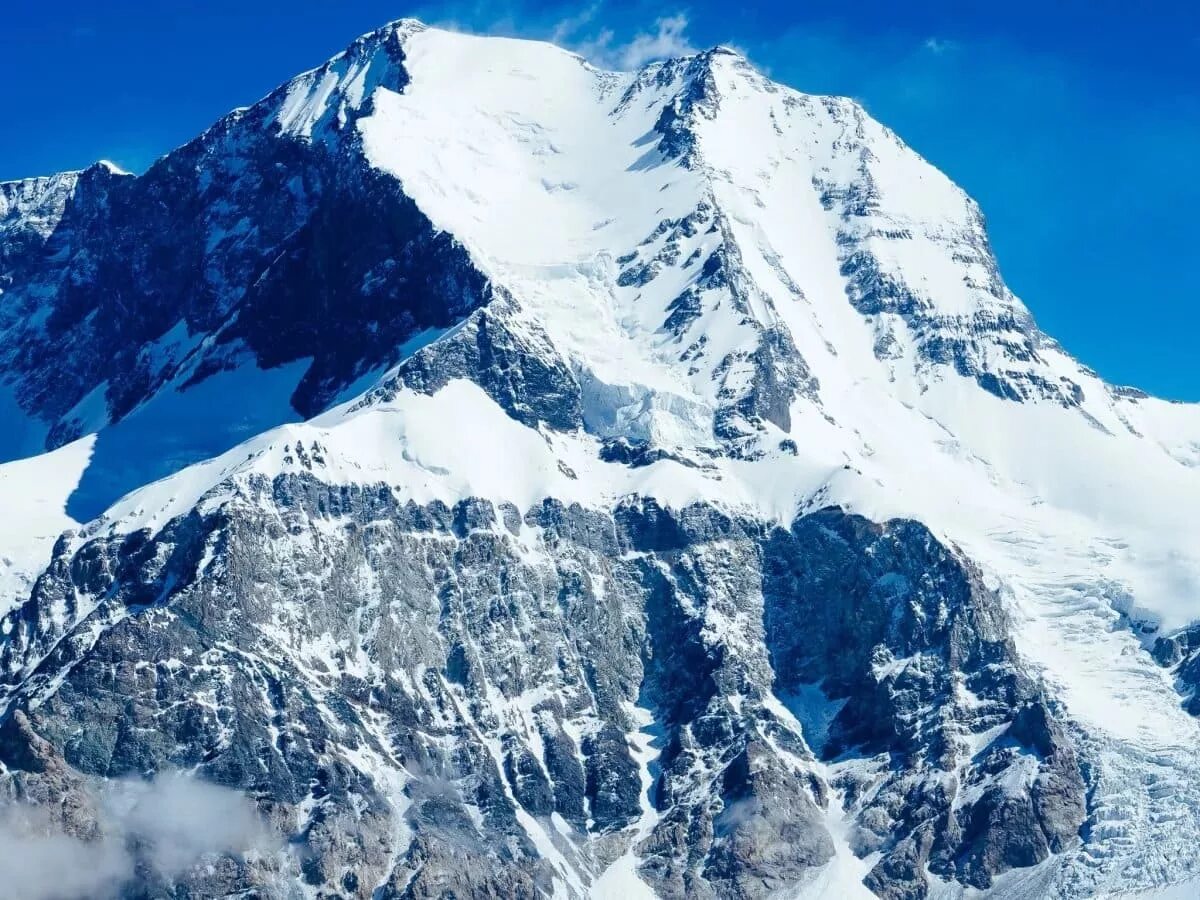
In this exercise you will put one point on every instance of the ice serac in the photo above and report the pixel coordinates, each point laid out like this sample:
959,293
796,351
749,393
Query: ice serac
550,482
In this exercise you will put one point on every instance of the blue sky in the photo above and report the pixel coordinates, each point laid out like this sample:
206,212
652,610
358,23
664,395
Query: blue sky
1075,124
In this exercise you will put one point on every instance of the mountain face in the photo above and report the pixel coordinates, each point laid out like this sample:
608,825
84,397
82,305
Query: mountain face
522,480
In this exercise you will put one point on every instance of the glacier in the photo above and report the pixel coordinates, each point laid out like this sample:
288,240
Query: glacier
523,479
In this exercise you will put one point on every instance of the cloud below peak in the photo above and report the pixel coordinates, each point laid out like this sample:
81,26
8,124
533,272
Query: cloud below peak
166,825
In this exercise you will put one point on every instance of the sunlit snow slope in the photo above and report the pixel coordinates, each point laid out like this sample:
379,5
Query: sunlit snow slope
1080,496
752,298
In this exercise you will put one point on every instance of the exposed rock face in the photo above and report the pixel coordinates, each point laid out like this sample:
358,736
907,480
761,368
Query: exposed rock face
1180,653
917,650
30,210
996,342
518,367
423,697
267,240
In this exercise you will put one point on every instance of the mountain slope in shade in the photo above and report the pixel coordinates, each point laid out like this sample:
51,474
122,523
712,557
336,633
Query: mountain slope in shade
579,483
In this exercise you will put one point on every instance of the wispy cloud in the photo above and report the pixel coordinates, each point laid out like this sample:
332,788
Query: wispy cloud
570,27
669,38
167,825
938,46
591,31
666,37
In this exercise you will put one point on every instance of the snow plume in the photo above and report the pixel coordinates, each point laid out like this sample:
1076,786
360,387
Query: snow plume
584,30
667,38
167,825
566,31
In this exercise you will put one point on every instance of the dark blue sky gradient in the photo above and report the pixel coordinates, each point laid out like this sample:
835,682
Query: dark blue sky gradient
1075,124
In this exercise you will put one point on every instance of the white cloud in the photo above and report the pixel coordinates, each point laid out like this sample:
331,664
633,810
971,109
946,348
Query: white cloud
938,46
567,29
580,29
173,822
180,819
667,38
41,863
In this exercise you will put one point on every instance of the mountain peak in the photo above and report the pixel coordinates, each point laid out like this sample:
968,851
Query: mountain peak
327,98
111,167
722,53
398,28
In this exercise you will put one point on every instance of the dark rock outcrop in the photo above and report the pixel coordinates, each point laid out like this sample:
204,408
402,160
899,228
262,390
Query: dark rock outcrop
369,668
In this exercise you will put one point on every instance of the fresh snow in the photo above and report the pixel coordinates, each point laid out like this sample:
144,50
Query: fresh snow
33,497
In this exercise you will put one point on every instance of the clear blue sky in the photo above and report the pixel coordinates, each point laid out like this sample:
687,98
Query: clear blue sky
1075,124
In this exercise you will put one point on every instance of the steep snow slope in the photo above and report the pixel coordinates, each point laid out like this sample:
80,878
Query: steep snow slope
1040,492
1076,500
275,264
33,493
693,285
528,169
